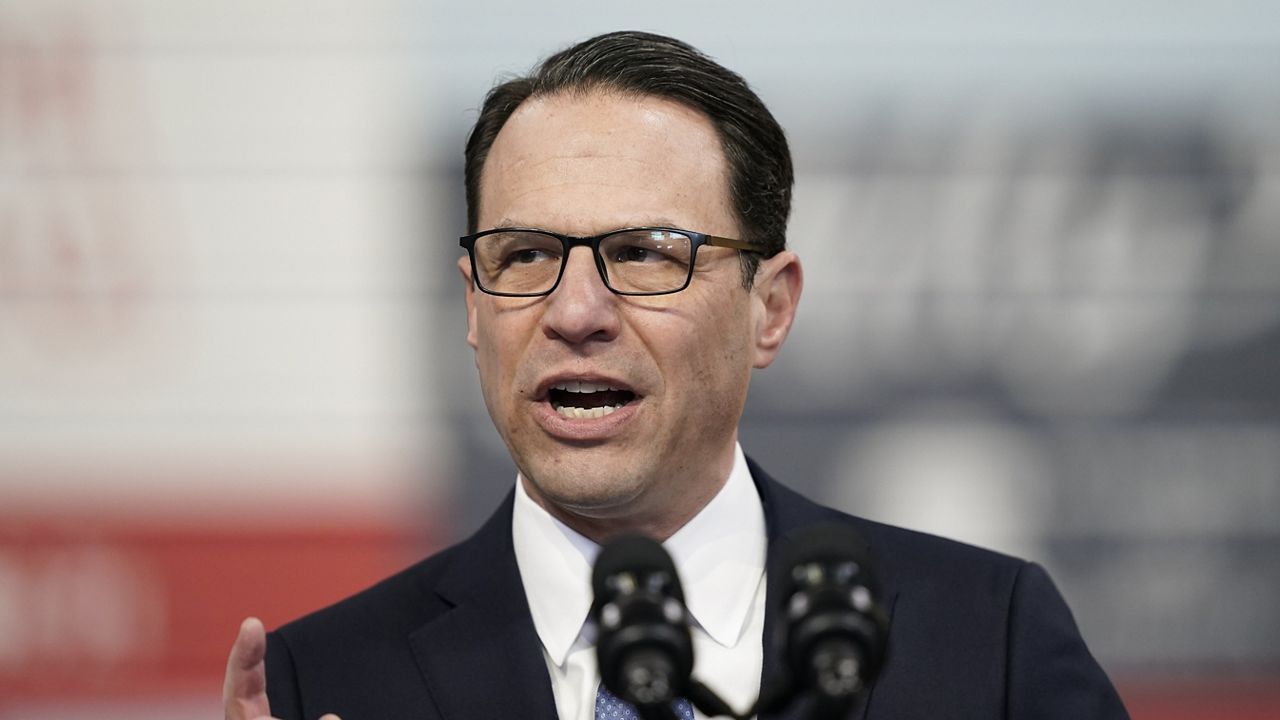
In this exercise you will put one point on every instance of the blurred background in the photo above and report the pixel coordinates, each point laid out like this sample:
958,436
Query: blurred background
1042,313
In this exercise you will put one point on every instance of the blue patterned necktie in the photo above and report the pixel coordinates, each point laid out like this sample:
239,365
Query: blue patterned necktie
611,707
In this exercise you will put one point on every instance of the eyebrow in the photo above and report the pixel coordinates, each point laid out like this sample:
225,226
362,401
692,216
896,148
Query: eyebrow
647,222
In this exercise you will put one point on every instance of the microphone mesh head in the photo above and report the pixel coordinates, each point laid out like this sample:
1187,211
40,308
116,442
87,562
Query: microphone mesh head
826,543
635,554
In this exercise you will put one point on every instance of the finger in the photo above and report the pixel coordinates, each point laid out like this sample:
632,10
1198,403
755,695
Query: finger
244,690
330,717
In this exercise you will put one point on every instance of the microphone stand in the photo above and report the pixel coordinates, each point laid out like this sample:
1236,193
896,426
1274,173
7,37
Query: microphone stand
709,703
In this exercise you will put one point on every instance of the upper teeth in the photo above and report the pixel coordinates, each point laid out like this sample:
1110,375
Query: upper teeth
582,386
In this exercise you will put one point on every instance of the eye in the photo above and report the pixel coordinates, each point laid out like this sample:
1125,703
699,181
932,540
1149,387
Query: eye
636,254
505,250
646,247
528,256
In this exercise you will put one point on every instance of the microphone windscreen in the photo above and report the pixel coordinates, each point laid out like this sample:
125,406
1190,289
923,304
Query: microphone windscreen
635,554
825,543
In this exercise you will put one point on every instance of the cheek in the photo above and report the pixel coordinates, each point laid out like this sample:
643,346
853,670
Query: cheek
722,358
495,354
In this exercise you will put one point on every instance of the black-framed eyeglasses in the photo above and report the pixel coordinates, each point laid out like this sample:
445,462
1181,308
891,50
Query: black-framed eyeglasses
525,262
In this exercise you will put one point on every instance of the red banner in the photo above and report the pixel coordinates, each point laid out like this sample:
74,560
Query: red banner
100,610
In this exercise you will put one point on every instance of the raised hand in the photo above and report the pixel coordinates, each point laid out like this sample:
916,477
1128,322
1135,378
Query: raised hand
244,690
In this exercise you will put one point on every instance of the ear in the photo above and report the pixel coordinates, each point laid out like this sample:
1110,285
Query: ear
777,287
464,267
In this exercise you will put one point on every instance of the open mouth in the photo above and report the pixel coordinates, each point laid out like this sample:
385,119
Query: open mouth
583,399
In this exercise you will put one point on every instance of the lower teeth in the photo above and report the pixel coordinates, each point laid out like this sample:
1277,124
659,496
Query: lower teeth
578,413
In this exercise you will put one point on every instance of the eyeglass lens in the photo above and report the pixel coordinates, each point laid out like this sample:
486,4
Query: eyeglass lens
635,261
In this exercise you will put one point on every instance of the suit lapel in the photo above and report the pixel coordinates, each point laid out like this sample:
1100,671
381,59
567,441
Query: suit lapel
483,658
785,513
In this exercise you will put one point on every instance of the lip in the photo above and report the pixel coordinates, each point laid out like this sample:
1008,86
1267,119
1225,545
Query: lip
544,387
583,429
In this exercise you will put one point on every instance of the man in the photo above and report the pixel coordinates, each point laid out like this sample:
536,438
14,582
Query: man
625,272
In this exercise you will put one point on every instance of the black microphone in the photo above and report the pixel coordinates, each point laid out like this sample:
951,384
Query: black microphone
834,633
644,649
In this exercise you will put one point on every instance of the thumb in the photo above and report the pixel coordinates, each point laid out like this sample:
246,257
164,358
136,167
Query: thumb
244,690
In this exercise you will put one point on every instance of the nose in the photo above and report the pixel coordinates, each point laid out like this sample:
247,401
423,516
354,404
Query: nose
581,309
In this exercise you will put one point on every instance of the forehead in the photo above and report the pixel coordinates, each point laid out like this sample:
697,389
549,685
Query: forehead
586,163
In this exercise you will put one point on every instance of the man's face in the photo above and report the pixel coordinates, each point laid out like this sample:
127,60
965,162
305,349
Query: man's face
679,364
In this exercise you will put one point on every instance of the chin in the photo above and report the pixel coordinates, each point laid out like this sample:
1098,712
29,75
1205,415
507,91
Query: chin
592,493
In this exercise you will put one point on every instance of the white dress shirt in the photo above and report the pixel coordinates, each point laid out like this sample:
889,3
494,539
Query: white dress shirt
720,556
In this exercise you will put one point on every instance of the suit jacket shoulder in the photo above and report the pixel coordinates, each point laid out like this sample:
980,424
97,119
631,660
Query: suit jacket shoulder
972,633
436,640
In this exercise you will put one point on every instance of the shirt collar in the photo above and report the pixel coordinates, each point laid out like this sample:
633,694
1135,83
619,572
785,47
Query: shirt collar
719,554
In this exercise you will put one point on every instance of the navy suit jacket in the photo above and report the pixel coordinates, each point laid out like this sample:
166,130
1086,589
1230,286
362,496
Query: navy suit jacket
972,634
